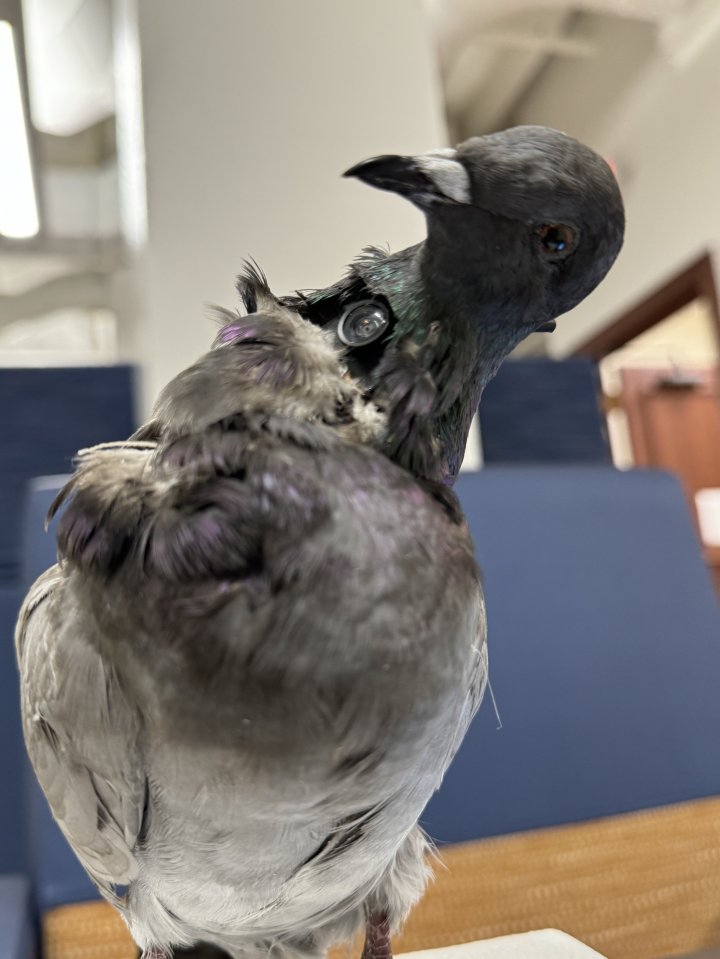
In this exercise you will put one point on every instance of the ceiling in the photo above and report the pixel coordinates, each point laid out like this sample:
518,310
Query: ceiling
494,54
565,63
69,49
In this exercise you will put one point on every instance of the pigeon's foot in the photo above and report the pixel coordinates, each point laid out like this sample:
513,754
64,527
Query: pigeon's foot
377,937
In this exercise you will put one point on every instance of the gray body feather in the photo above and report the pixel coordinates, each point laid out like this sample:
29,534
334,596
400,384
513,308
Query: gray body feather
254,661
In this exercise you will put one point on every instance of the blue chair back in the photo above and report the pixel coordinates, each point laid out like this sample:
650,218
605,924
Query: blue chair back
17,930
544,411
604,639
47,415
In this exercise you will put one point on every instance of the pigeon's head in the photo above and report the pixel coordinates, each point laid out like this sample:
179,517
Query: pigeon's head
528,216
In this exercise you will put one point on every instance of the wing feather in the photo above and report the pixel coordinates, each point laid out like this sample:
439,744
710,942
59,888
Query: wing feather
82,736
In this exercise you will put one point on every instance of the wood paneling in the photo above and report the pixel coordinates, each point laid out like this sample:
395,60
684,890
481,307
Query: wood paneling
677,427
696,281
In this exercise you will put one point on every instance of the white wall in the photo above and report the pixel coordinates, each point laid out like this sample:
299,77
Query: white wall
252,111
667,141
81,201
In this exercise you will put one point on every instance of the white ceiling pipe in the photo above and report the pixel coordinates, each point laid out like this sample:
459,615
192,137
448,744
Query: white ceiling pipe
456,20
469,85
562,46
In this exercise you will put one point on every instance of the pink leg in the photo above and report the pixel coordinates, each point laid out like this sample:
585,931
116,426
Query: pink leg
377,937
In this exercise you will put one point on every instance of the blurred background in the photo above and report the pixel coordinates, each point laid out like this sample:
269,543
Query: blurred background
148,146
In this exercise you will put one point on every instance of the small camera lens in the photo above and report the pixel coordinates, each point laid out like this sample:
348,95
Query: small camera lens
363,322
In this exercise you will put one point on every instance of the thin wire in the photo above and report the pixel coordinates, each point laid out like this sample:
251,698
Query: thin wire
495,706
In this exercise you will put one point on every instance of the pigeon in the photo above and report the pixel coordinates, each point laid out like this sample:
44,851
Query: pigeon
522,226
265,636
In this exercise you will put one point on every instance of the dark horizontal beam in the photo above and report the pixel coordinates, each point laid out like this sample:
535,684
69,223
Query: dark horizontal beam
696,281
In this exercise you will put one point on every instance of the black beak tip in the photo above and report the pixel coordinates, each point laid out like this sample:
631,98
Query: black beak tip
375,168
397,174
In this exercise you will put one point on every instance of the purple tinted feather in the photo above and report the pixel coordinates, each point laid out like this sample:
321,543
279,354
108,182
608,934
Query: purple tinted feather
236,333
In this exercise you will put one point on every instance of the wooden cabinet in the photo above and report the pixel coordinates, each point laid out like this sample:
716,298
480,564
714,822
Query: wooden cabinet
674,422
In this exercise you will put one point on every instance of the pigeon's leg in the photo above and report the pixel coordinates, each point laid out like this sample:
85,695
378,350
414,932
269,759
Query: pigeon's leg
377,937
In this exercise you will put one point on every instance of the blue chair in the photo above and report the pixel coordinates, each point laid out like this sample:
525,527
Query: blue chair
47,415
12,840
17,932
604,639
544,411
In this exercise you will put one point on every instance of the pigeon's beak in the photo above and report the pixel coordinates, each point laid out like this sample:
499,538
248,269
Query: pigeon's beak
423,179
398,174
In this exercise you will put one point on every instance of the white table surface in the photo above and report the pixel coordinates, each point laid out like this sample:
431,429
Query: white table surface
543,944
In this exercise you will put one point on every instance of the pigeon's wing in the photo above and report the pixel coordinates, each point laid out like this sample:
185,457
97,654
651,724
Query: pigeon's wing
81,734
478,677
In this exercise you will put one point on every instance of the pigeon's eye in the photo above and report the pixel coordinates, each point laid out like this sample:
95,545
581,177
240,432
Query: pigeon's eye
556,239
363,322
